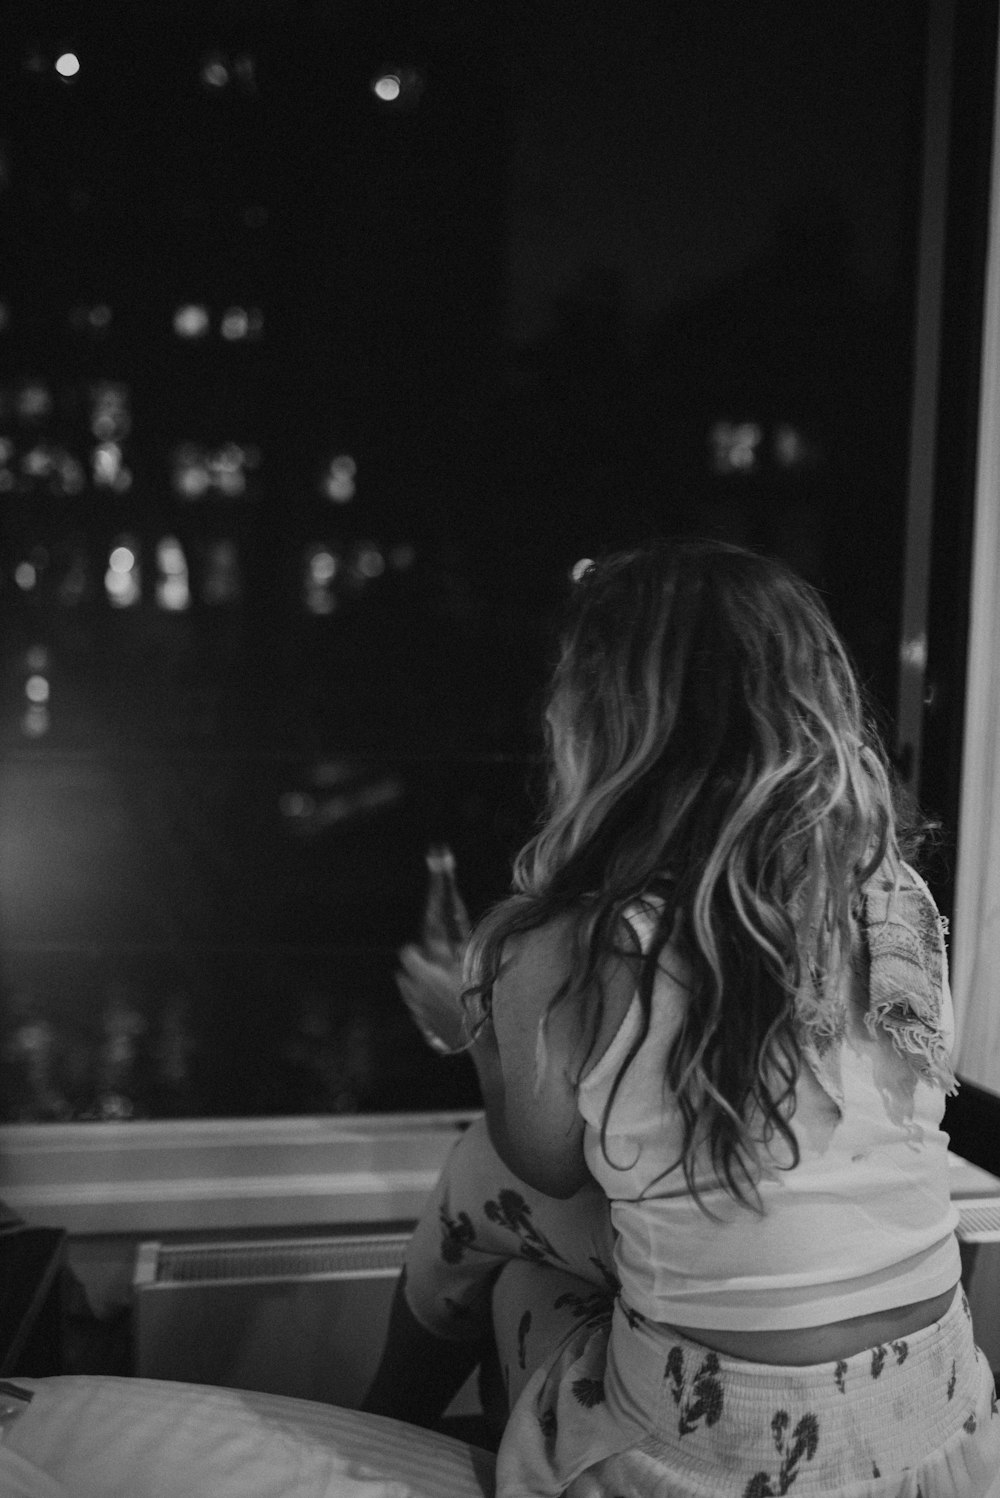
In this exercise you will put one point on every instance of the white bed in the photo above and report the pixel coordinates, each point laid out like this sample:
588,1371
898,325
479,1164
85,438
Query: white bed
95,1437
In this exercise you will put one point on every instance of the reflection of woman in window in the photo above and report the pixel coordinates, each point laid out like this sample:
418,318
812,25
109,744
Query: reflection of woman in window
708,1208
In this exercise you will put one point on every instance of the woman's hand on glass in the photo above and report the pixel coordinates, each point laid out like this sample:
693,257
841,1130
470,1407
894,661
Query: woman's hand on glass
431,987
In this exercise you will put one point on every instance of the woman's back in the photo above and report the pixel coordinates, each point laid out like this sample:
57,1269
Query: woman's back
862,1224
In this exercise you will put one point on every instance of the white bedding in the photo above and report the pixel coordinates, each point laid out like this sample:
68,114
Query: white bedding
91,1437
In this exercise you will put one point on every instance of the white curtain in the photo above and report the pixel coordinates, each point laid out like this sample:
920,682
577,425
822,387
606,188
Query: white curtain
975,943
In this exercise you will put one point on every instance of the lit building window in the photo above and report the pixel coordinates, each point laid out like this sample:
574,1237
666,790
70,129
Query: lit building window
87,318
37,691
33,401
221,577
214,71
793,448
398,88
191,320
217,71
735,446
70,473
321,568
387,87
296,805
36,721
123,580
110,414
200,472
173,591
36,463
368,561
245,72
190,471
339,480
108,469
235,324
226,467
45,469
75,582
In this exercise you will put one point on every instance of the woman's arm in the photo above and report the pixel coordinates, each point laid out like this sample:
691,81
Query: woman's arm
529,1090
528,1087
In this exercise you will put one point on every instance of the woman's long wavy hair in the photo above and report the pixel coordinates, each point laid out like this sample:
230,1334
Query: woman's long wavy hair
708,747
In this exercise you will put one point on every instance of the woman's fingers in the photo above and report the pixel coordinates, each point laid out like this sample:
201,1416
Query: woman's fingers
437,1014
431,970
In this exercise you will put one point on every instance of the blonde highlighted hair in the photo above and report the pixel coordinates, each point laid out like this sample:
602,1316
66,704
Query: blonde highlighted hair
708,747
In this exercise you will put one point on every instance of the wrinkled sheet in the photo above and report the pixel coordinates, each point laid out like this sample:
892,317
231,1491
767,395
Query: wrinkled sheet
96,1437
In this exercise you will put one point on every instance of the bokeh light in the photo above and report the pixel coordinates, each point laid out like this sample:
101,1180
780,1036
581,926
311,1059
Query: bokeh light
214,71
122,580
173,590
34,401
368,560
191,320
340,479
221,575
734,446
36,721
235,323
321,567
400,88
387,87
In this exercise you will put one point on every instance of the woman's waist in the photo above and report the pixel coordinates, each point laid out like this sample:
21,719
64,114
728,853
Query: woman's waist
824,1342
639,1348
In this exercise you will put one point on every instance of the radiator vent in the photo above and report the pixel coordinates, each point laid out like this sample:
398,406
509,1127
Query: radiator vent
979,1221
299,1316
377,1256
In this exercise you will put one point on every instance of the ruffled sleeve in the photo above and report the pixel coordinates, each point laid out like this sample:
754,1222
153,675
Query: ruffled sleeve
908,974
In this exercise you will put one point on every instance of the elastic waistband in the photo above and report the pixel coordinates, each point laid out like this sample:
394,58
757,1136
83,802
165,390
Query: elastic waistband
689,1399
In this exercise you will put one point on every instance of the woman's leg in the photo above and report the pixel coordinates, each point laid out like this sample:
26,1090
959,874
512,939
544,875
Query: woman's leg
535,1313
419,1373
479,1218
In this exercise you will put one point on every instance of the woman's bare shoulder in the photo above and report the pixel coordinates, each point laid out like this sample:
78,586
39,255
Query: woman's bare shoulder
541,963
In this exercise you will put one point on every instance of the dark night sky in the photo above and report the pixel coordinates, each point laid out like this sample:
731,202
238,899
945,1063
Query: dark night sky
674,141
662,139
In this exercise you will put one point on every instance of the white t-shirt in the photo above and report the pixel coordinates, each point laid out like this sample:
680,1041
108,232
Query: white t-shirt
864,1222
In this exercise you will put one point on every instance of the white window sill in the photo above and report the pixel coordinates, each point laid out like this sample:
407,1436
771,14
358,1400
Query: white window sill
209,1174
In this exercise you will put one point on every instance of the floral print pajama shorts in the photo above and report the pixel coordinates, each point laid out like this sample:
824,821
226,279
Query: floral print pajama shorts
605,1404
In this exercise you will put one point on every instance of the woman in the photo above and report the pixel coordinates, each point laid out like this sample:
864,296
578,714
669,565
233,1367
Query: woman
708,1208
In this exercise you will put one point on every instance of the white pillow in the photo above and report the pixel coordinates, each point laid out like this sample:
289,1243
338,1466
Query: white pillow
96,1437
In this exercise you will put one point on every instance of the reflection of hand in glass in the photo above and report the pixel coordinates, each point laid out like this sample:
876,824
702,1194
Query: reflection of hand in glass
431,988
